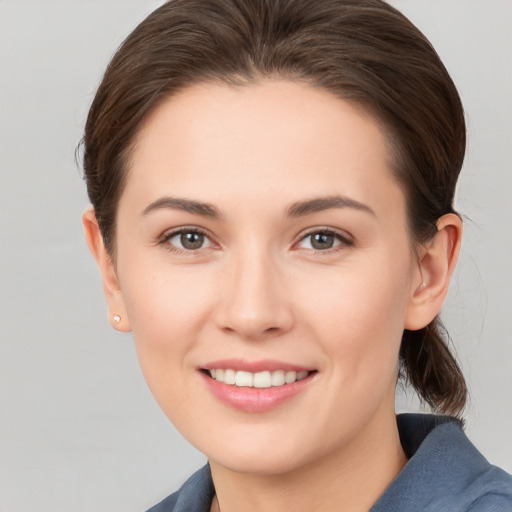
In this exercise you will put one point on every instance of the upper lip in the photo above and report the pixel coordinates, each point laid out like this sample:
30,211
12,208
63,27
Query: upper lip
254,366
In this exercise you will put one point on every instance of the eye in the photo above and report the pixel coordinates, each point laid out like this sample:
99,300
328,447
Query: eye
187,240
324,240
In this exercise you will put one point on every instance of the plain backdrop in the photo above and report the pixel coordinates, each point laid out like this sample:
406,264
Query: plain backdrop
79,430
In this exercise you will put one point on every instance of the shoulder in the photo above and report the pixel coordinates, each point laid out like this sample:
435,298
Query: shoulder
195,495
492,502
445,471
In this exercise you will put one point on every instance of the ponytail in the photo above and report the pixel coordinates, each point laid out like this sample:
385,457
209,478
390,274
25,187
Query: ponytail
429,366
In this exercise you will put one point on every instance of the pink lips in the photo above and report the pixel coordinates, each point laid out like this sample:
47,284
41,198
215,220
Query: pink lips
250,399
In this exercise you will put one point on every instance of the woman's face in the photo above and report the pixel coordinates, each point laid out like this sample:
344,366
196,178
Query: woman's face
261,235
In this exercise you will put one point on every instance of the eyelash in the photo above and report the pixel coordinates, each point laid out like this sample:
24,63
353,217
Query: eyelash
184,230
344,241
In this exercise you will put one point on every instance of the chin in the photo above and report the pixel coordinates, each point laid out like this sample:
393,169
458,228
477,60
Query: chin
264,453
258,462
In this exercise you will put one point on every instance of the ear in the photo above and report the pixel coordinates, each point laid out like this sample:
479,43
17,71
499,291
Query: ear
117,315
436,263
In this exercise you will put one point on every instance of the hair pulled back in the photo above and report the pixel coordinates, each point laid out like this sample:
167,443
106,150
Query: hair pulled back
363,51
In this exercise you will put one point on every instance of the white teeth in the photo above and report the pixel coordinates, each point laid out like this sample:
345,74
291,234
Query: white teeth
302,375
229,377
243,379
278,378
265,379
262,380
290,377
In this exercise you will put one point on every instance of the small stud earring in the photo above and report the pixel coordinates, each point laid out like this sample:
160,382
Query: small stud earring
117,318
420,287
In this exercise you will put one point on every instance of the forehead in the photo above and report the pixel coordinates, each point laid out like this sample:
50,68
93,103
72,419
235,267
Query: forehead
274,138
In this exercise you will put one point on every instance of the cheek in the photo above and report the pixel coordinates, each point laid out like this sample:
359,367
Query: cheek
164,301
167,310
359,314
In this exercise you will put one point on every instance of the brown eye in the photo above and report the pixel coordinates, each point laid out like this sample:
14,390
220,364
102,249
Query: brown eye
192,240
324,240
187,240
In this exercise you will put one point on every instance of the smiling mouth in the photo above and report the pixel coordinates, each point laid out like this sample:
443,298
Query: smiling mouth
260,380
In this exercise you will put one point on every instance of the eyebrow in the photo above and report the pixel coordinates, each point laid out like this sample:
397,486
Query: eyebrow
297,209
319,204
187,205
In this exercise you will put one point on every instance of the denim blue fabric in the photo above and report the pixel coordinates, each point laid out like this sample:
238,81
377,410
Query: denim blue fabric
445,473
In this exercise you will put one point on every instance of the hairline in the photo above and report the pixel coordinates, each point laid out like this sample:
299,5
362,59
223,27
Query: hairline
237,80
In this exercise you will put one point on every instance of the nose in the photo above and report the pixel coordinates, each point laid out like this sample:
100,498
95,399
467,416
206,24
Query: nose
254,300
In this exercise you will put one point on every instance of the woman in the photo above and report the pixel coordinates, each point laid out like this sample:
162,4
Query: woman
272,186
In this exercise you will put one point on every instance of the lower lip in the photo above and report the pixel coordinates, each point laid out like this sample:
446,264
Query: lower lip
255,399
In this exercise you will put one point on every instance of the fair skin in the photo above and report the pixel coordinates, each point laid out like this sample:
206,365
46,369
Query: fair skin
298,257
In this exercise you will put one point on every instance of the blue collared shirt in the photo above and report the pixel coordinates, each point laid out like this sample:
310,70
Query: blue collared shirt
445,473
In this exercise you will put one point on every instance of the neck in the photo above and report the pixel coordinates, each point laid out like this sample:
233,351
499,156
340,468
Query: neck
349,479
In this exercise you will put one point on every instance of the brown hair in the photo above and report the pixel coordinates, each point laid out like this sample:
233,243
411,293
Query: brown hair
361,50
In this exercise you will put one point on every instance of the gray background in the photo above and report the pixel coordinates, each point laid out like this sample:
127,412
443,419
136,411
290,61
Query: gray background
79,430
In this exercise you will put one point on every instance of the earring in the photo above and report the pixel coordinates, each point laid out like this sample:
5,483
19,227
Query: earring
117,318
420,287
